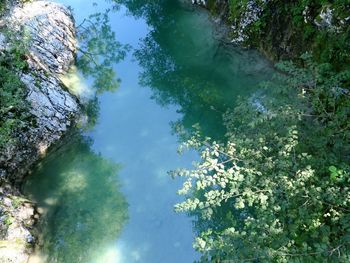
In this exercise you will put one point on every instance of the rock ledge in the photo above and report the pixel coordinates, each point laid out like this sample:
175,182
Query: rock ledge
49,29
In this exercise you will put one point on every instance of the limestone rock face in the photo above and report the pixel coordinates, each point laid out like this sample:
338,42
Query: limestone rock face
252,9
49,31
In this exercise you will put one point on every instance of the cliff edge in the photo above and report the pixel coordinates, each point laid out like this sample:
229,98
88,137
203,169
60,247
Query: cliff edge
48,31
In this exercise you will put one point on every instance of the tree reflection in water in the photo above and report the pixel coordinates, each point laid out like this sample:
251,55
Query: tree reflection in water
79,193
78,190
99,51
190,67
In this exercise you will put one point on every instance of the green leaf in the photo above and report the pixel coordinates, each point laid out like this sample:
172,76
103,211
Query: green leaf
333,169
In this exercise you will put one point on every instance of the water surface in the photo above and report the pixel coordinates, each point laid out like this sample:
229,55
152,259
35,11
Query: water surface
105,192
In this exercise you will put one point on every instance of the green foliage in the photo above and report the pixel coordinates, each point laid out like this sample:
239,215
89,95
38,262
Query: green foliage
13,108
8,220
278,189
237,8
2,7
14,115
17,201
288,28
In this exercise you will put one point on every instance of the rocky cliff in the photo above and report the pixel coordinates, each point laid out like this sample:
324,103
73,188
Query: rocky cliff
49,32
285,30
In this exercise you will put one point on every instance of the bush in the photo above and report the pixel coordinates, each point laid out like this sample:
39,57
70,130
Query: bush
278,189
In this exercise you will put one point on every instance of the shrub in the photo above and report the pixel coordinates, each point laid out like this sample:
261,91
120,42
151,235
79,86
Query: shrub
278,189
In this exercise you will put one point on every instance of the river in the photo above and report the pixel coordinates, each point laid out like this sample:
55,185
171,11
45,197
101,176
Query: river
104,192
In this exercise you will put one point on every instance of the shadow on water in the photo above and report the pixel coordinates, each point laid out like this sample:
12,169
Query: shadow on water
79,195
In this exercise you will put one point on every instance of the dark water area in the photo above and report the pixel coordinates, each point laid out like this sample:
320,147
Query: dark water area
104,192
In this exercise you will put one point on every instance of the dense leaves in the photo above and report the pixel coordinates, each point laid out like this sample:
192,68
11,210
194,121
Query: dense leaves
14,114
278,190
290,28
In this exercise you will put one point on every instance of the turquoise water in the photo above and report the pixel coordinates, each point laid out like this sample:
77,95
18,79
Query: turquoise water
105,193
